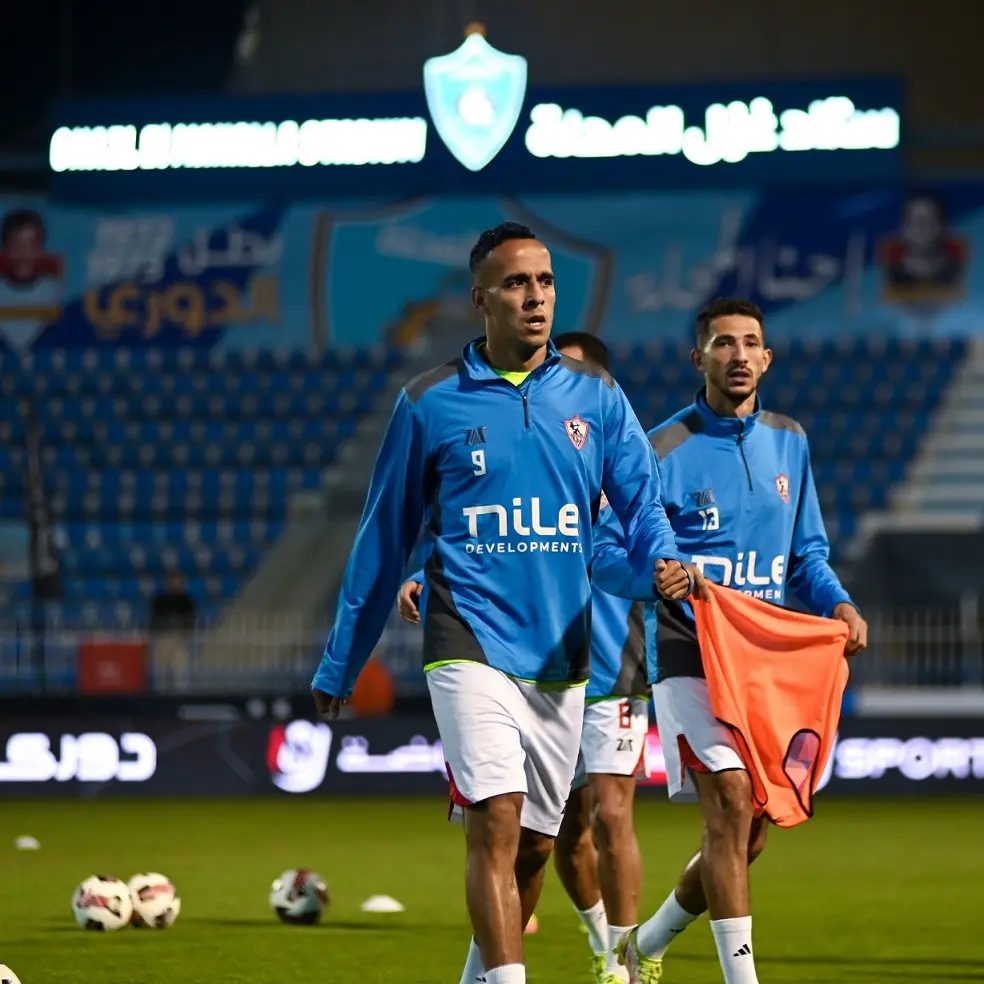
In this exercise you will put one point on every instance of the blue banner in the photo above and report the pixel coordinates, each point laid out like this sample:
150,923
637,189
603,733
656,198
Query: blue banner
475,128
631,267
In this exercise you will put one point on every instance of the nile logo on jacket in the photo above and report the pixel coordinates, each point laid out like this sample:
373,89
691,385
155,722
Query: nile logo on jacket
525,528
760,578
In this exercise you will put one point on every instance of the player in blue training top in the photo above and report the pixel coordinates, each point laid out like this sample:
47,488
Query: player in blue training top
597,853
504,454
739,491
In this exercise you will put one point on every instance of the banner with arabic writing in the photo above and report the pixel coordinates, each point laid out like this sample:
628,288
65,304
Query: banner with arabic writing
632,267
52,755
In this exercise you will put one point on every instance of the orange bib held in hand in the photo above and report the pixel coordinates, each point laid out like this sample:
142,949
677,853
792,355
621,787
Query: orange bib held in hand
776,679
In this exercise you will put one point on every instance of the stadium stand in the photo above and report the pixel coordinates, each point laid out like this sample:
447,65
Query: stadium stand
945,479
865,404
172,459
186,459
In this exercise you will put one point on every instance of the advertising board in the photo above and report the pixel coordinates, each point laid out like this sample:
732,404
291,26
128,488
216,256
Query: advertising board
396,757
632,267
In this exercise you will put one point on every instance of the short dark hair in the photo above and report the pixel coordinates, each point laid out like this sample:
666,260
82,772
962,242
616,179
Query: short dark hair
595,350
722,307
492,238
19,218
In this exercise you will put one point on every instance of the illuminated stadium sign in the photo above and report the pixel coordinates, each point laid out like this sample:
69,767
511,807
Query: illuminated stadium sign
728,135
475,126
159,146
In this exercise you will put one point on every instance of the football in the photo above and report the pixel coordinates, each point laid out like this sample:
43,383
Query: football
299,897
102,902
7,976
156,903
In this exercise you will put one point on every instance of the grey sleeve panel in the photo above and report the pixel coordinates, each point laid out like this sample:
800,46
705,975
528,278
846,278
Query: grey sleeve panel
778,421
587,369
419,385
669,438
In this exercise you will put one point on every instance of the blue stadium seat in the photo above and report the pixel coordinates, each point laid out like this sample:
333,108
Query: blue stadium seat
190,456
166,458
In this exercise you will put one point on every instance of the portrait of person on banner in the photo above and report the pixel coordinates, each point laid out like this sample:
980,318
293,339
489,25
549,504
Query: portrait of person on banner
30,278
924,263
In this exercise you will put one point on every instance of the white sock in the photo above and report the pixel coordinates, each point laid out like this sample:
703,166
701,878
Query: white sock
474,968
507,974
596,923
615,933
734,945
659,931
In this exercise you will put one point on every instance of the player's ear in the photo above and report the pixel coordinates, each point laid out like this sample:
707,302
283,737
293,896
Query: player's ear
478,298
697,358
767,360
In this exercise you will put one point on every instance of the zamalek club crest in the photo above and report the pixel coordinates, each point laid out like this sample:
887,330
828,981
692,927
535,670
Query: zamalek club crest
577,431
782,487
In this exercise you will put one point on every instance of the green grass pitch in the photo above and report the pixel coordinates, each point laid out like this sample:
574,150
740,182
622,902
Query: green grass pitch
881,892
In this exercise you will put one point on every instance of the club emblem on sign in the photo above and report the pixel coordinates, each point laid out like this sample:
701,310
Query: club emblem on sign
577,431
782,487
475,95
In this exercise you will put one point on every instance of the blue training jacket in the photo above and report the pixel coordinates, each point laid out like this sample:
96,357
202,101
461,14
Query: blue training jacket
743,505
508,481
618,661
618,641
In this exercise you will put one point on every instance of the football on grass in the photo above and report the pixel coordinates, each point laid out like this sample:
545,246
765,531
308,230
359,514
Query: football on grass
102,902
299,897
7,976
156,902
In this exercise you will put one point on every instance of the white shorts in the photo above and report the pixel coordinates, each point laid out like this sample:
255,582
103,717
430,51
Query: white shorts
692,738
502,735
613,740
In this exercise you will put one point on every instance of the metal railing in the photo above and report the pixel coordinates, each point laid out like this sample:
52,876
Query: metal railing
279,654
925,648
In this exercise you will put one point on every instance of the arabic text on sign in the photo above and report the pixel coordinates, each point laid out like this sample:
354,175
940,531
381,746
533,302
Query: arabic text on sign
188,305
90,757
771,270
729,134
240,248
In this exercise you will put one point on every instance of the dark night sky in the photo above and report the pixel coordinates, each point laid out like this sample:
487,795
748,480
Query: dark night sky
115,48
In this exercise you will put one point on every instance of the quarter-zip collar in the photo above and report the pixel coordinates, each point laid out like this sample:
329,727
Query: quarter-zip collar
718,426
478,368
